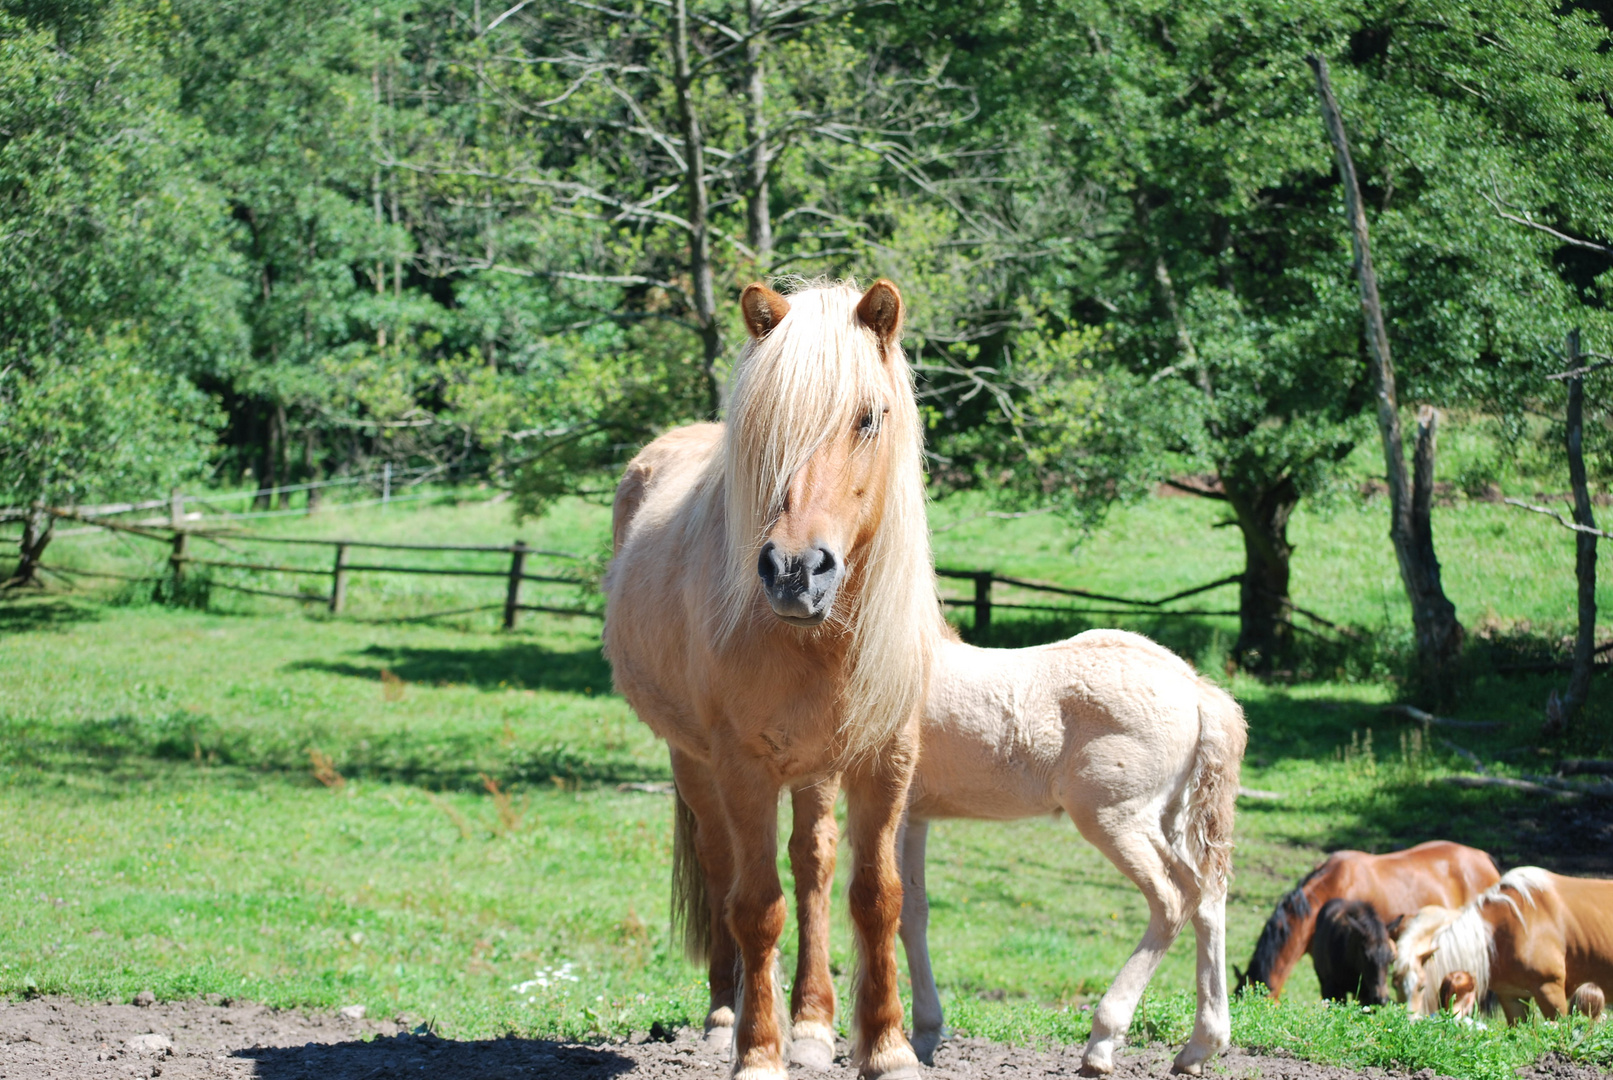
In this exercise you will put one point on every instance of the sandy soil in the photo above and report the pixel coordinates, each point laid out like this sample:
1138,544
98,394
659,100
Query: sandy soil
193,1040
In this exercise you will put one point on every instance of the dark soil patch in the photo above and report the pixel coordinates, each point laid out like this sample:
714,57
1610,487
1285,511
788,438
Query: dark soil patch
57,1038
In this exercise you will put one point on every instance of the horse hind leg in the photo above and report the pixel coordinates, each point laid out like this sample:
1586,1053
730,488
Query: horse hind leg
927,1016
703,876
1212,1027
812,860
1138,850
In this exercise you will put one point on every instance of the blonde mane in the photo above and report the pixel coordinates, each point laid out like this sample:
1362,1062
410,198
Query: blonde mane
806,381
1468,943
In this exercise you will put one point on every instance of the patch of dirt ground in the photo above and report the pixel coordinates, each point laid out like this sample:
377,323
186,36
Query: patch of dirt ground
195,1040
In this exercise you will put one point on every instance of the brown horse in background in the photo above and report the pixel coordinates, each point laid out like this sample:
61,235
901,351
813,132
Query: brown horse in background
1395,884
1529,938
771,612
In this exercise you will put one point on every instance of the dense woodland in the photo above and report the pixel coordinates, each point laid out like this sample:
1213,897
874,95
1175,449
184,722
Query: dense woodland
274,242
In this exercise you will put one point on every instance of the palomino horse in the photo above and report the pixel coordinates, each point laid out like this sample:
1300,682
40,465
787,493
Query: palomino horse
1352,952
1396,884
1529,938
771,613
1122,735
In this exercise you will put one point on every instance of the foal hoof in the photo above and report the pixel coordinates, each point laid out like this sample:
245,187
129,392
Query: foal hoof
1097,1065
925,1044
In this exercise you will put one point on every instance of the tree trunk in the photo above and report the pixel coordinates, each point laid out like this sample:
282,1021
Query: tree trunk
1439,635
1264,629
36,531
1579,681
283,465
758,219
705,293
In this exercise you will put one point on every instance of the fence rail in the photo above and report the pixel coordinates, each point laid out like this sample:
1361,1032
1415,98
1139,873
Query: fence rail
180,560
983,604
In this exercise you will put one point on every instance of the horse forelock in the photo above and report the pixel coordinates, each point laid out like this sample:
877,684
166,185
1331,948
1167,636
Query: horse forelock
1467,944
805,382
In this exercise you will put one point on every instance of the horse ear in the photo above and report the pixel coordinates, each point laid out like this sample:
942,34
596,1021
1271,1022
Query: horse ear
881,311
1394,925
763,308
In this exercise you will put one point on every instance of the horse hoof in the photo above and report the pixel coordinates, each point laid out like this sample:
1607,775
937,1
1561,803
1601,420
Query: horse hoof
901,1072
1187,1068
719,1038
761,1072
925,1044
1097,1067
811,1053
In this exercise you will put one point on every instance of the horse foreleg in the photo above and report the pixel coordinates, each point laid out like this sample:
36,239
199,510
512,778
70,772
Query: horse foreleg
927,1018
1212,1029
813,837
1552,997
756,913
716,862
876,795
1138,851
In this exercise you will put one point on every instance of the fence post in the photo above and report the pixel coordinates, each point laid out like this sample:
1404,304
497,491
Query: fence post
338,581
386,483
176,509
512,596
982,601
176,560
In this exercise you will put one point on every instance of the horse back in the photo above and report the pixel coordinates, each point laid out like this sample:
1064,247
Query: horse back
1586,916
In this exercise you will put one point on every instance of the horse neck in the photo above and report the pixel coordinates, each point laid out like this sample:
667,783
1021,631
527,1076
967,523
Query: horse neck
1298,941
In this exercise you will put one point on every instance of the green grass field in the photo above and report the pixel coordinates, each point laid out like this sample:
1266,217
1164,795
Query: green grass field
258,800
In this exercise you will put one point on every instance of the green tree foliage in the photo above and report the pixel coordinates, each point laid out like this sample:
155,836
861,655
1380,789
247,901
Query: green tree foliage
1209,245
113,294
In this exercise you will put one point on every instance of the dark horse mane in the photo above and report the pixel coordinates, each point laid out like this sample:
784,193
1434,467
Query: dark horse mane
1275,934
1352,952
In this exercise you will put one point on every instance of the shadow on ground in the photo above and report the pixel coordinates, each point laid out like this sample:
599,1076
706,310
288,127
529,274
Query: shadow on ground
440,1059
505,666
22,613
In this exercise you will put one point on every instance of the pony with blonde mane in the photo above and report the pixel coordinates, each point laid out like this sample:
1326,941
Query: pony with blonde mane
771,613
1530,938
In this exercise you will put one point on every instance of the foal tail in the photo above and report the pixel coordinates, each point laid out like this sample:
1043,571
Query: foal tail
691,910
1213,790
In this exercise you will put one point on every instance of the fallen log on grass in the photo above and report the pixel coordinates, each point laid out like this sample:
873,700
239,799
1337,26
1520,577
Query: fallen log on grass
1413,713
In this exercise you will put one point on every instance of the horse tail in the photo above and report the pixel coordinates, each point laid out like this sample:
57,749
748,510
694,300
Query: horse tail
1213,791
691,907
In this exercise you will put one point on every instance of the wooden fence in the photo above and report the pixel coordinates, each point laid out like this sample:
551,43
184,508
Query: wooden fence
342,566
982,601
181,558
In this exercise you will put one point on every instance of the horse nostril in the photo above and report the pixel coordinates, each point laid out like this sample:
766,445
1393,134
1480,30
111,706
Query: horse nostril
767,564
818,561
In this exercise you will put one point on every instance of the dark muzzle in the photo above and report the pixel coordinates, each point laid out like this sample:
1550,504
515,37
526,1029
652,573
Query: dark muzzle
800,588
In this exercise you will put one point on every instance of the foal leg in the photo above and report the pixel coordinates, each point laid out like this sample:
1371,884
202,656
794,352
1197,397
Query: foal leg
1138,850
1212,1030
927,1019
876,795
712,849
812,859
756,912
